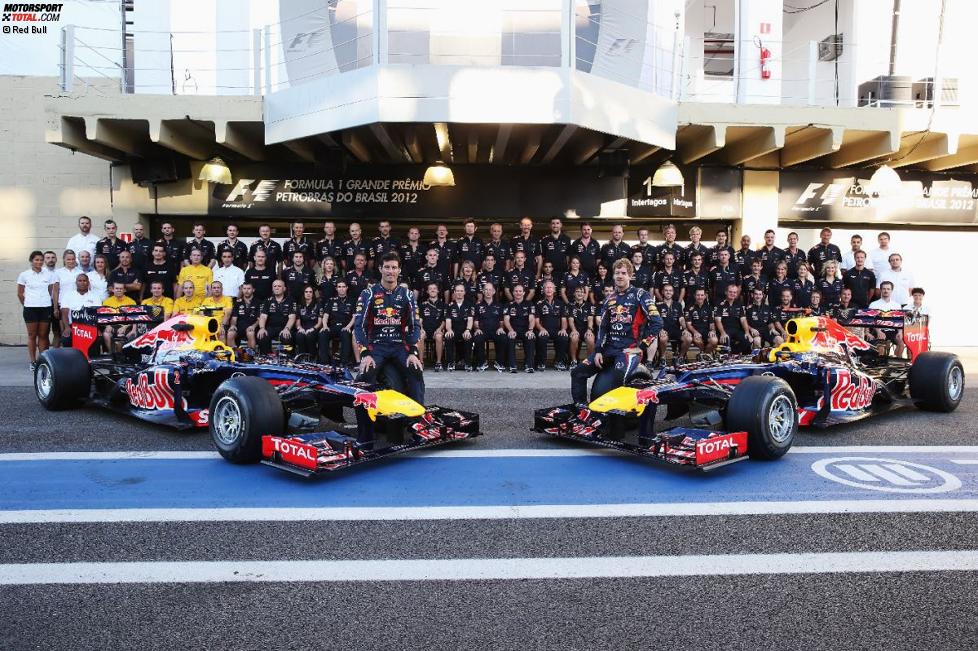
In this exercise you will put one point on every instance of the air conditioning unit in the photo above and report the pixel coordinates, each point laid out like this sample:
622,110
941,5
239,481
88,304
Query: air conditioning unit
923,92
830,47
887,91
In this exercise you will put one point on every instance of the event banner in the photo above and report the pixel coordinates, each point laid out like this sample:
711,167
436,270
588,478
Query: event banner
708,192
373,192
923,198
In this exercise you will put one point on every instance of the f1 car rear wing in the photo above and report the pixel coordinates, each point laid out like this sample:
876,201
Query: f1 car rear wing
916,330
85,323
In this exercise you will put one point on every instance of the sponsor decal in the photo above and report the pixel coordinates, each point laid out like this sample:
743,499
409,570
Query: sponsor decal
850,393
368,400
162,334
291,451
82,332
721,446
157,394
645,396
201,417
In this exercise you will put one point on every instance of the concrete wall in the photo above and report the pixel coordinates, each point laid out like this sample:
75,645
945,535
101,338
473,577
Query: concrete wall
43,189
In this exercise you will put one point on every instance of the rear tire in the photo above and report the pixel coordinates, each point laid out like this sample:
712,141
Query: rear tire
937,381
62,379
765,407
242,410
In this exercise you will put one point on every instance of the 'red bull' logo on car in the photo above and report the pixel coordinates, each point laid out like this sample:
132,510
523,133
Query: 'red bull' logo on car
368,400
645,396
851,394
157,394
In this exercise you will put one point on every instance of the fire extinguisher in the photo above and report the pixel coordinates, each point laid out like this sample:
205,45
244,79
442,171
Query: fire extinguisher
765,55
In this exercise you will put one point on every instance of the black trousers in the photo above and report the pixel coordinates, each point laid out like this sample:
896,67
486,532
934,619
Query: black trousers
480,347
307,343
455,343
739,342
326,338
265,343
529,345
561,348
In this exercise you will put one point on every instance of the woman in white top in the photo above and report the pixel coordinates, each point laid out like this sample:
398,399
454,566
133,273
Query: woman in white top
98,280
37,291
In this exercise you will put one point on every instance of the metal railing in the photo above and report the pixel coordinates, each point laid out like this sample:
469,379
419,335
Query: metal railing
638,51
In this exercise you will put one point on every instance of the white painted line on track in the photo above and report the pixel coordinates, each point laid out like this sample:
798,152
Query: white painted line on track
486,568
965,462
472,453
532,512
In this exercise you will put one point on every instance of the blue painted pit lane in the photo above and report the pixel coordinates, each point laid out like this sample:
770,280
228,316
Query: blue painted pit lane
447,481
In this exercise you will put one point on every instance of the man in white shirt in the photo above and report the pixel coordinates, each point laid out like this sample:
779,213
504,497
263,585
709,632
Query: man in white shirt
878,258
887,302
230,275
902,280
84,260
848,261
79,297
67,273
84,240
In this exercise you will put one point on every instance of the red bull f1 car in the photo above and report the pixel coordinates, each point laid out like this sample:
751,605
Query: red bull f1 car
752,405
269,408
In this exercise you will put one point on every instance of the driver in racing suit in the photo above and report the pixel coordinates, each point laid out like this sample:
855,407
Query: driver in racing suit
386,328
629,318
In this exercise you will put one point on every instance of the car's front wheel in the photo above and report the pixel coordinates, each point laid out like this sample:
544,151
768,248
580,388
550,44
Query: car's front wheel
765,407
62,378
937,381
242,410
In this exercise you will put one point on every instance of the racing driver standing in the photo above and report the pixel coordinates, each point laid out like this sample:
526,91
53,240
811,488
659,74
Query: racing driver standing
386,328
629,320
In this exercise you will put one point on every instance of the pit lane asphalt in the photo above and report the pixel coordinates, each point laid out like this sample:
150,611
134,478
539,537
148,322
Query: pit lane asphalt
886,610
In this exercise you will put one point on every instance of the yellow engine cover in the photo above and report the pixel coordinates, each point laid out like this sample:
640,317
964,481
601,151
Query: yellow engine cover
623,399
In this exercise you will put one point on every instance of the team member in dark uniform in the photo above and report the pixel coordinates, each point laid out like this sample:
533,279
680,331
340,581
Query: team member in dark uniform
667,275
276,319
297,277
381,245
769,254
673,325
803,286
358,278
712,259
238,248
760,319
352,248
261,276
523,276
587,249
468,248
432,311
128,275
756,280
459,319
699,322
337,326
555,247
271,249
499,247
530,246
519,324
731,322
615,249
110,246
387,329
723,276
158,269
860,280
823,252
309,321
778,284
643,275
599,282
446,252
580,320
744,254
817,306
628,321
489,327
793,256
430,273
489,274
299,243
329,246
694,246
198,243
244,317
573,279
784,311
141,247
694,278
412,257
551,326
327,280
469,280
669,246
174,248
650,252
829,285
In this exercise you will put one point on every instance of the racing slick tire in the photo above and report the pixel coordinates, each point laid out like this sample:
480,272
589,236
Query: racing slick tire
242,410
937,381
62,378
765,408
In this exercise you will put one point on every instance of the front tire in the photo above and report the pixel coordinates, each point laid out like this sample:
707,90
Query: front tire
937,381
242,410
765,407
62,378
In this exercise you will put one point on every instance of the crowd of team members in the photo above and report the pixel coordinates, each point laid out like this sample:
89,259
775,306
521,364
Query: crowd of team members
535,292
